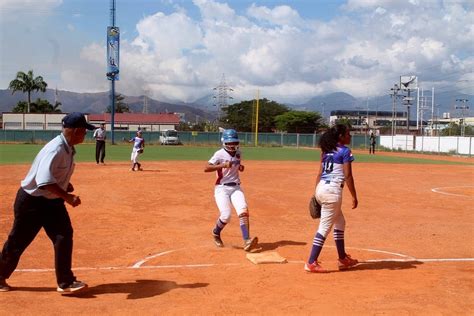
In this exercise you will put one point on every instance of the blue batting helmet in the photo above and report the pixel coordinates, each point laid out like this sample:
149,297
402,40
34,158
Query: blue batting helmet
230,136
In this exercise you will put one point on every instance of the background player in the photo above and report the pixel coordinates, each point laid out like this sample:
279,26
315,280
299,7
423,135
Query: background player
100,135
137,150
39,204
335,169
227,192
373,142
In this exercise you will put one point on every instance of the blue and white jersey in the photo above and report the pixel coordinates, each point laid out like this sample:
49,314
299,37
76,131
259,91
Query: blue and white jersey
138,142
332,164
226,175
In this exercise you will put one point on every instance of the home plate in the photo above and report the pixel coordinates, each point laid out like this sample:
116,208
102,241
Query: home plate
266,257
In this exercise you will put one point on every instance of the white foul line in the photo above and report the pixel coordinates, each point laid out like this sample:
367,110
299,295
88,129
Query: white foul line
139,264
438,190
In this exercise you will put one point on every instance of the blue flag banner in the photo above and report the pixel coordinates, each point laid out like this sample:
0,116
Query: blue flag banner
113,48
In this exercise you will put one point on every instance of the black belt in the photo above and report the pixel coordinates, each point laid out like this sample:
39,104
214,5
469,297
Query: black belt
328,182
231,184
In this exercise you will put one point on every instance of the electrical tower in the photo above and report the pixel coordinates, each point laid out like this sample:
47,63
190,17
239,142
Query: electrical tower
145,102
221,95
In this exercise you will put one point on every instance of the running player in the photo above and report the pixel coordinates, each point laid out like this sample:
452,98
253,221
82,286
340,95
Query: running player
227,192
335,170
137,149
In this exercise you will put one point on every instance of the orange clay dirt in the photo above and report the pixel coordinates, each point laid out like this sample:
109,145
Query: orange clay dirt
143,243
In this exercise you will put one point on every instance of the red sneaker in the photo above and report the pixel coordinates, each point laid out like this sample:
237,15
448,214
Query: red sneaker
314,267
346,263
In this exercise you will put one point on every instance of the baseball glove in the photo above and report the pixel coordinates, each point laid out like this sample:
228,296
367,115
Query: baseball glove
140,151
314,208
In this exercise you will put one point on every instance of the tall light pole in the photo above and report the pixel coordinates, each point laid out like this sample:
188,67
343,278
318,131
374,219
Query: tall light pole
462,107
113,47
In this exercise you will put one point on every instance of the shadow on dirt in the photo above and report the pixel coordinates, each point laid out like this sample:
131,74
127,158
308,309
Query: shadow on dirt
387,265
136,290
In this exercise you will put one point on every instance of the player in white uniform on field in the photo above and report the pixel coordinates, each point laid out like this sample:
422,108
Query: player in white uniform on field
227,164
138,146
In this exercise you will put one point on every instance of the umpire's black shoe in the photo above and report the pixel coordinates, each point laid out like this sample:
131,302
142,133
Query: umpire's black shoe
73,287
4,287
218,240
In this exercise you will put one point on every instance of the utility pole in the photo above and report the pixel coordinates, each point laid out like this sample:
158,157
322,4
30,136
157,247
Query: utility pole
462,107
322,110
222,96
394,95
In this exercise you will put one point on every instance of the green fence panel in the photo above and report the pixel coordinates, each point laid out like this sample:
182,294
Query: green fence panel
187,138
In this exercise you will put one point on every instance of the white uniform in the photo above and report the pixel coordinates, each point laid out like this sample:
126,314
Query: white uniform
227,191
137,145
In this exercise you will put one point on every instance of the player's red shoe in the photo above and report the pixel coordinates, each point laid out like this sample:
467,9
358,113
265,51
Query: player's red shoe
346,263
250,243
314,267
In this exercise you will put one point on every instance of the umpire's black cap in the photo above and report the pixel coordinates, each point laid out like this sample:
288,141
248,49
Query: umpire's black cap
76,120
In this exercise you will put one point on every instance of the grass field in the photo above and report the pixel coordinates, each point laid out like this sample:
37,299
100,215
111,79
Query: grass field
25,153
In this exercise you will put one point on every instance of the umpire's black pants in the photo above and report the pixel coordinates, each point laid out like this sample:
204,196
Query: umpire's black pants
32,213
99,150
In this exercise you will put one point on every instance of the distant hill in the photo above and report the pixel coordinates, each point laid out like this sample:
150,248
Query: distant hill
204,108
344,101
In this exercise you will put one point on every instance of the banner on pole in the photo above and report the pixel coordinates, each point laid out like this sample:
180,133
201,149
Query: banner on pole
113,48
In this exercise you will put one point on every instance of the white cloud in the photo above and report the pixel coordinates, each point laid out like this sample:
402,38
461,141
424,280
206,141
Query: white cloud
274,49
286,56
280,15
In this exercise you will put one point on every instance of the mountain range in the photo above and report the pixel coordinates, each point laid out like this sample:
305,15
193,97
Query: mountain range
203,108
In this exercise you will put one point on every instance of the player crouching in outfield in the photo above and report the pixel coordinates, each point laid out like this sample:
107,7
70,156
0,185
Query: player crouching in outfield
39,204
227,192
137,150
335,170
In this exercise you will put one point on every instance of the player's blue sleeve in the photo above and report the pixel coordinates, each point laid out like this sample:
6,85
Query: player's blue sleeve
347,155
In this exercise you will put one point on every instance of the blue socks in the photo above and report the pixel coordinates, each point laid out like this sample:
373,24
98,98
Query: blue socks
219,227
244,225
318,243
339,239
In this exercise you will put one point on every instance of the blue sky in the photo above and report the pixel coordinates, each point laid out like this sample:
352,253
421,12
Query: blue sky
177,50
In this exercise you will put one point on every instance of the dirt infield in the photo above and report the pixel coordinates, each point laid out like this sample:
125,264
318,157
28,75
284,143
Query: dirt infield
143,243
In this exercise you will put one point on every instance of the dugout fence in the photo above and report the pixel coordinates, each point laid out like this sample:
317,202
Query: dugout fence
187,138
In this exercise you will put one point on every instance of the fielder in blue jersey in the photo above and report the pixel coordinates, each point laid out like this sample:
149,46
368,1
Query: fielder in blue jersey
335,171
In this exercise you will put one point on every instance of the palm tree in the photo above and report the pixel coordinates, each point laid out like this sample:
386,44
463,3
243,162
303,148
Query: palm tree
27,83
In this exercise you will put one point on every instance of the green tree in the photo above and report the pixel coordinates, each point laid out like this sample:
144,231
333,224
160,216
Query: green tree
120,106
27,83
452,129
298,122
344,121
241,116
38,106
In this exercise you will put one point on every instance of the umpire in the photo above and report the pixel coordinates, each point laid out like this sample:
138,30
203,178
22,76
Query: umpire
100,136
40,204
